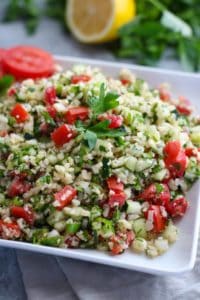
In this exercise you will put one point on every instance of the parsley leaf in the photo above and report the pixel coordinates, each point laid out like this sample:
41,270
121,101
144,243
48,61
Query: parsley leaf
5,83
105,171
159,188
104,102
102,130
91,139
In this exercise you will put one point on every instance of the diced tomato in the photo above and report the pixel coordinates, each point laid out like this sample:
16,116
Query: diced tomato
171,150
130,237
114,120
64,197
3,133
12,92
116,198
115,184
125,81
62,135
184,106
178,166
28,62
154,214
175,159
164,94
76,113
115,245
50,95
184,110
156,193
51,111
80,78
25,213
19,113
190,152
9,230
177,207
18,187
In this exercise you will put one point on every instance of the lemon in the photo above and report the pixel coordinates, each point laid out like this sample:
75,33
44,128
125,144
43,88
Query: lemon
97,21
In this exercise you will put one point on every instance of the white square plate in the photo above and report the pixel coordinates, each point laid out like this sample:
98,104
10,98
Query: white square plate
181,256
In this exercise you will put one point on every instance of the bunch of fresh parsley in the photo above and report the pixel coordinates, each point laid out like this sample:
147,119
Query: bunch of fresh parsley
162,25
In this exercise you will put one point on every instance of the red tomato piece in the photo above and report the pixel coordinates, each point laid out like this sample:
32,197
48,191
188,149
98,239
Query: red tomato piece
171,150
115,184
80,78
2,53
125,81
164,94
28,62
19,113
52,111
25,213
9,230
50,95
129,237
3,133
64,197
76,113
157,194
178,165
62,135
178,207
116,199
184,110
184,106
115,121
154,215
115,245
190,152
12,92
18,187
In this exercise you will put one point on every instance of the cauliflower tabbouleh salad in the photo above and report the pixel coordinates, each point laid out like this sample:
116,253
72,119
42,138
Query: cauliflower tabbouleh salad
89,161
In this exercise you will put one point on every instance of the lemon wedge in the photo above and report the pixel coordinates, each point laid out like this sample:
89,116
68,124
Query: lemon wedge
98,21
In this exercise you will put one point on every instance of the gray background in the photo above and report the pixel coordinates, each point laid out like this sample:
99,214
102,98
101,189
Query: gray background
25,275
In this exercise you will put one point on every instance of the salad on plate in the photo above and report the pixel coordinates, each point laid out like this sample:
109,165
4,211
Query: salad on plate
90,161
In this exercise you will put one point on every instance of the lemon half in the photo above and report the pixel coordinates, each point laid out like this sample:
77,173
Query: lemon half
97,21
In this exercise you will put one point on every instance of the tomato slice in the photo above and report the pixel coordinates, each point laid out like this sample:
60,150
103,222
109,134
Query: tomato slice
24,213
64,197
9,230
28,62
2,53
115,184
129,237
156,193
18,187
76,113
154,214
62,135
178,207
80,78
19,113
